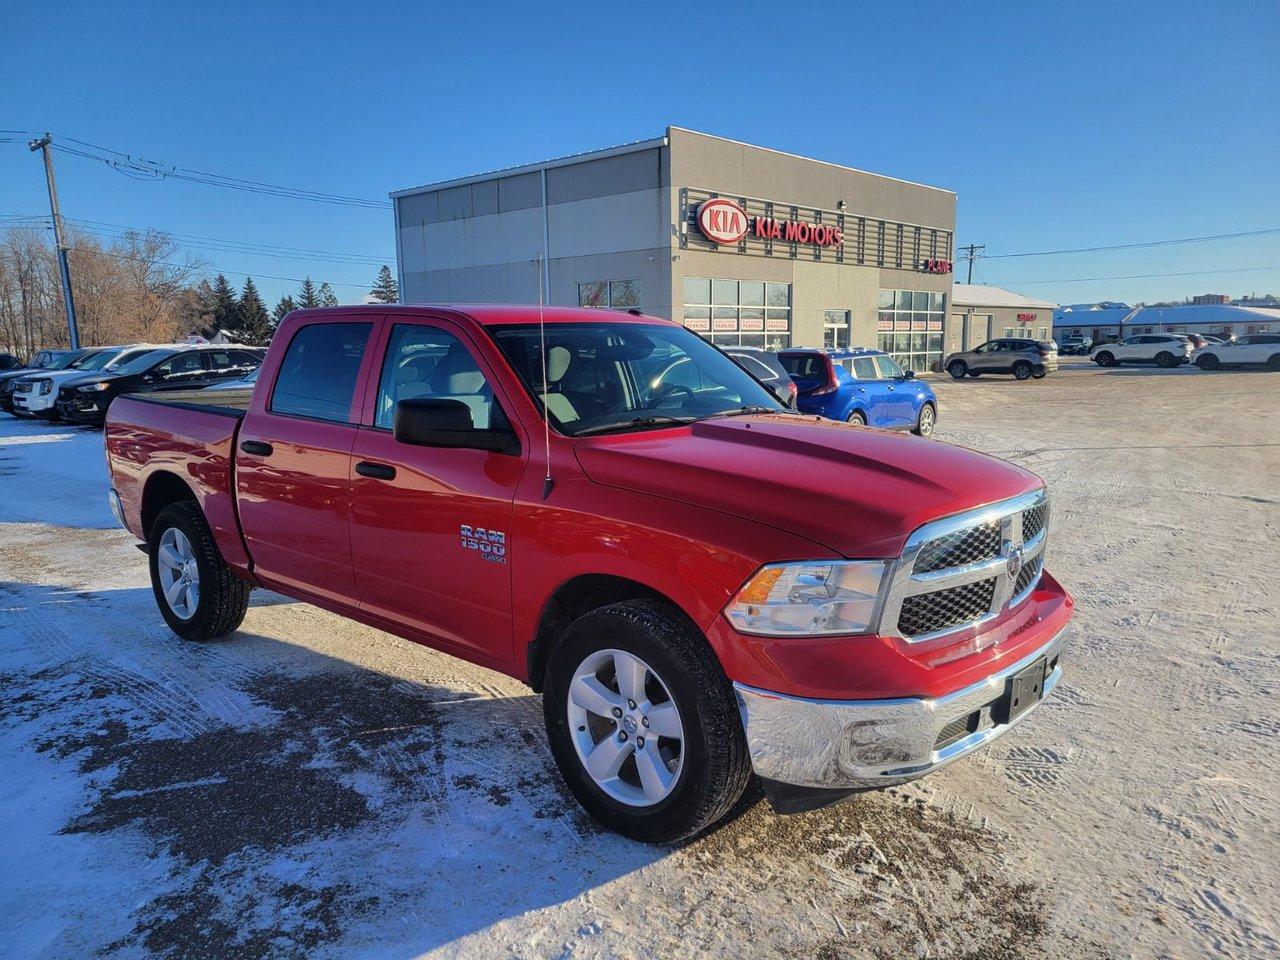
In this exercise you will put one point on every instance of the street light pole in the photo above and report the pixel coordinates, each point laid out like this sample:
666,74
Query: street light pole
59,238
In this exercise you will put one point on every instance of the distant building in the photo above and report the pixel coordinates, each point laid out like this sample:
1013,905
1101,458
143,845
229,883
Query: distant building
1123,321
1209,298
980,313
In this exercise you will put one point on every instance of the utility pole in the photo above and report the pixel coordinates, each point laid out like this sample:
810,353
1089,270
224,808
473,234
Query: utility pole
972,255
59,238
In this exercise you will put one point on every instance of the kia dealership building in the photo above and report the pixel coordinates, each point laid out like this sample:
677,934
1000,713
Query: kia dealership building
743,244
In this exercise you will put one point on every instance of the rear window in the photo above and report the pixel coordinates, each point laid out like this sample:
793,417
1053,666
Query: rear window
317,377
811,366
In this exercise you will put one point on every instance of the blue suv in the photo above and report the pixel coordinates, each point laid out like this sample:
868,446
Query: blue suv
861,386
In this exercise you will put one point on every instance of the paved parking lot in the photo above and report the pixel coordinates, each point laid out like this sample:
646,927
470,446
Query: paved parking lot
311,787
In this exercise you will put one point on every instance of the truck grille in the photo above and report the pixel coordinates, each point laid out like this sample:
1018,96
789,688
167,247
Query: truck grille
24,387
961,570
956,549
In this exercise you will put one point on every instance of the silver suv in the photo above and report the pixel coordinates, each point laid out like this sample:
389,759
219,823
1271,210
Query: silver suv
1017,355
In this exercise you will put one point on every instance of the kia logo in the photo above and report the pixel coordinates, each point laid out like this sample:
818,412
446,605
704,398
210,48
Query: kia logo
722,221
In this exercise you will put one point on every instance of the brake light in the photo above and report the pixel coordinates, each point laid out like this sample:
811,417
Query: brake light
830,385
1045,351
792,388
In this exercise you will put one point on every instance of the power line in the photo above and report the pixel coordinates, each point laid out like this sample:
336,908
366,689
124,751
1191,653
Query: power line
142,169
1135,246
238,273
1139,276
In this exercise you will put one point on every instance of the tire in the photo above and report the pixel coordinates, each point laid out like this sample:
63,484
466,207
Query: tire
1022,370
858,417
1273,362
957,369
926,420
712,764
975,374
1105,359
221,598
1208,362
1166,359
1040,373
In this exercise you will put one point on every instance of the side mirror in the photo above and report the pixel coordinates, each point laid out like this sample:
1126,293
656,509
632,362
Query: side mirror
908,374
427,422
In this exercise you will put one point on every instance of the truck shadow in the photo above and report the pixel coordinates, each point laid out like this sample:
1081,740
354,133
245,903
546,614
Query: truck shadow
297,800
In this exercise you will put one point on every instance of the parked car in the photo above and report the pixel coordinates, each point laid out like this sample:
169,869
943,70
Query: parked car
10,362
861,386
87,399
1019,356
666,562
44,360
1197,341
1075,346
36,395
1253,349
243,383
1162,349
1219,337
767,367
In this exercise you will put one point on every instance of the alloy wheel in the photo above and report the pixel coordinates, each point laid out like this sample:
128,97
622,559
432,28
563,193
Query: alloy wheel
179,573
626,728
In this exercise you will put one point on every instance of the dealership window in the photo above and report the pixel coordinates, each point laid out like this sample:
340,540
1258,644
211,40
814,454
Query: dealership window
610,294
732,313
836,329
910,328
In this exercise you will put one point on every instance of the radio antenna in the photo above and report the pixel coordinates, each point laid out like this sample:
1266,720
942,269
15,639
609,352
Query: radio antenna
547,483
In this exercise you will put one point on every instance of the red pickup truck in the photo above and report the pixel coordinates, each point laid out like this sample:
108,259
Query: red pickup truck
702,584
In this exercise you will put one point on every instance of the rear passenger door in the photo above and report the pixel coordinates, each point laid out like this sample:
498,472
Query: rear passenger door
898,411
870,394
429,524
293,465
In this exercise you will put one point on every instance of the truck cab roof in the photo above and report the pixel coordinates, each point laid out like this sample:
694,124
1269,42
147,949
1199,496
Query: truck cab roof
491,314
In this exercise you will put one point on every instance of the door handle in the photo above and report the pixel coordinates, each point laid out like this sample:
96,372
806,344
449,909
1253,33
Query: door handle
377,471
257,448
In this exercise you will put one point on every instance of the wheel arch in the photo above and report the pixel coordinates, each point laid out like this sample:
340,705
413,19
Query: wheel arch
162,489
577,596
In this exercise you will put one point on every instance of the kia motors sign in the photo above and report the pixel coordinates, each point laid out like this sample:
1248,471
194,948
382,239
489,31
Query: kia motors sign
722,221
793,231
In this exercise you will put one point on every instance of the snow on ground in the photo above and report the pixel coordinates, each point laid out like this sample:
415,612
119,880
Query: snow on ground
311,787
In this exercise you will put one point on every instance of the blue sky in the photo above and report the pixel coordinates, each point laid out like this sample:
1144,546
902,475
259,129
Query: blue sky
1077,125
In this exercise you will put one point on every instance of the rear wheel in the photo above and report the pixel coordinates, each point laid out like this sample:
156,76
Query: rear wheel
1105,359
1022,370
957,369
1040,373
1208,362
1166,359
858,417
1273,362
643,723
927,420
197,593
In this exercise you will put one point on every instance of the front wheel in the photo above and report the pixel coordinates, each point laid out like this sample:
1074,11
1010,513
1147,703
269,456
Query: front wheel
1022,370
1105,359
957,369
926,421
1040,373
1208,362
197,593
643,723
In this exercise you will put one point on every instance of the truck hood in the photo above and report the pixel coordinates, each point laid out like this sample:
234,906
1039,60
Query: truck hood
858,491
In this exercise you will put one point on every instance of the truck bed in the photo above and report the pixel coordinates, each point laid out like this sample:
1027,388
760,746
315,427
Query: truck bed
233,403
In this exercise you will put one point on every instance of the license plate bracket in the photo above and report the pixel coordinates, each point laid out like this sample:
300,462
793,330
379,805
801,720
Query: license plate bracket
1026,689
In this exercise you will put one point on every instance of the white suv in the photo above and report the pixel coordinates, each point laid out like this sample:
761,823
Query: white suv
1260,348
1162,349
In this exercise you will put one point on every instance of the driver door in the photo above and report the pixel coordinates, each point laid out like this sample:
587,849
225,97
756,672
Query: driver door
429,525
180,372
987,357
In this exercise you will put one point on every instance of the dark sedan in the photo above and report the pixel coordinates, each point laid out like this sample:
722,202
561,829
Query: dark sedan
86,399
766,367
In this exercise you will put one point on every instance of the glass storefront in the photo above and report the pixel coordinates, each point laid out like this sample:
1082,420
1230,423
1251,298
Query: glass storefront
836,329
747,313
909,327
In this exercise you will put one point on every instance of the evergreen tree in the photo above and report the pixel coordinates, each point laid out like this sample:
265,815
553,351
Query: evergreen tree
327,297
226,307
385,289
254,323
199,309
308,299
283,308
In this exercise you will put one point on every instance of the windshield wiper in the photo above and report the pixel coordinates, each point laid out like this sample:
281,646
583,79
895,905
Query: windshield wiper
751,408
635,424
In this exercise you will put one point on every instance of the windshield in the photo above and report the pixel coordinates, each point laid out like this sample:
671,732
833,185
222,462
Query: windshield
84,361
618,376
140,362
63,360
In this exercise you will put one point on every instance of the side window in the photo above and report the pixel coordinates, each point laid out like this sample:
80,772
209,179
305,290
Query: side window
755,367
430,362
317,377
179,365
244,361
864,368
888,369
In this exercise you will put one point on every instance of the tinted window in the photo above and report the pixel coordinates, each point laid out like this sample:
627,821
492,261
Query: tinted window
429,362
143,361
317,377
754,367
864,368
1266,338
182,364
9,362
888,369
807,365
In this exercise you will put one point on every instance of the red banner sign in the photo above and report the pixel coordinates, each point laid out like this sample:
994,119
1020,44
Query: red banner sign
1026,317
937,266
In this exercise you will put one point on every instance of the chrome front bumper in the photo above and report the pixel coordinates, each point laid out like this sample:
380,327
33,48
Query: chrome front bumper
859,744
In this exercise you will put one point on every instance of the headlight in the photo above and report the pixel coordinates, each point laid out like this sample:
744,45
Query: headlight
46,386
96,387
810,599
